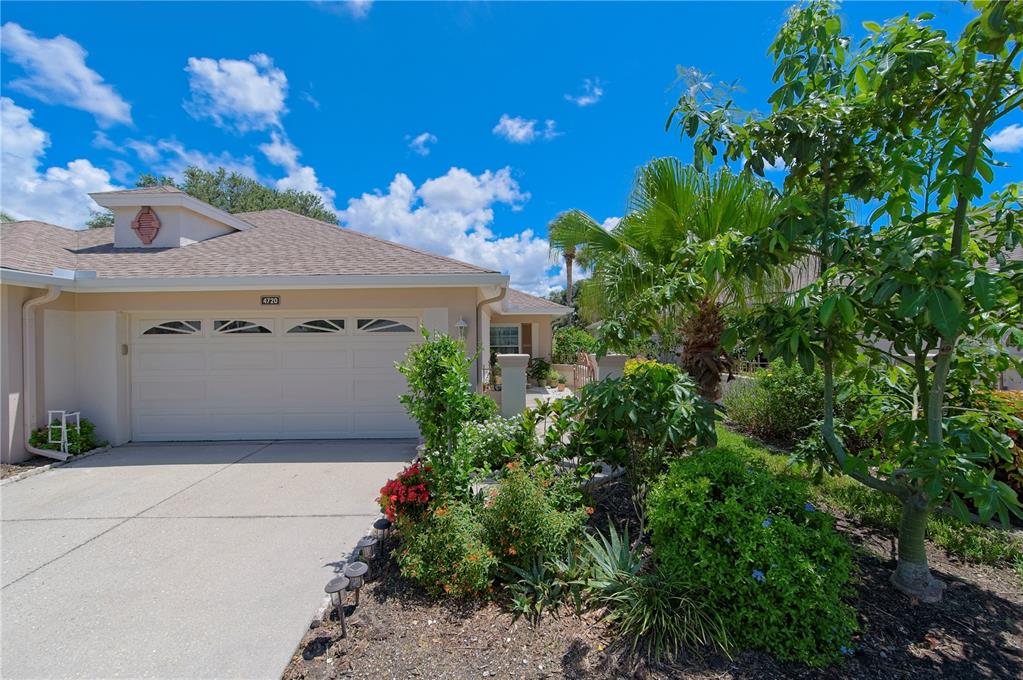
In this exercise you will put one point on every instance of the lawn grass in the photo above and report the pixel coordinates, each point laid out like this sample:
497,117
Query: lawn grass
971,542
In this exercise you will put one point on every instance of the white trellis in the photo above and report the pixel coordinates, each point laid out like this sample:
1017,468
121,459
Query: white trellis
58,424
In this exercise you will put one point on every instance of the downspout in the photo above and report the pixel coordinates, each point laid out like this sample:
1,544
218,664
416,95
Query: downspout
479,334
28,373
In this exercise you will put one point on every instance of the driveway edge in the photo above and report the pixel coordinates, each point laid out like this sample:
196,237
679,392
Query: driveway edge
55,464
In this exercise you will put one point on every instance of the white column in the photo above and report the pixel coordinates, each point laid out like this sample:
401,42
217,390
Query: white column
611,366
513,383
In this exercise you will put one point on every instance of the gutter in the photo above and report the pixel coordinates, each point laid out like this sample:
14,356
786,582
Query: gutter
479,332
28,372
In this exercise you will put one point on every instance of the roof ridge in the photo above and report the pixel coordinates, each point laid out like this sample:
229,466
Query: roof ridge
349,230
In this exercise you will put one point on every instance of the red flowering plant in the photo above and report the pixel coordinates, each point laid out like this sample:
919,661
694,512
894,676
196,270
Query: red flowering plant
407,495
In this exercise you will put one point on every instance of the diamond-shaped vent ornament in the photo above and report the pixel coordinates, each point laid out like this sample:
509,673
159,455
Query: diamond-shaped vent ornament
146,224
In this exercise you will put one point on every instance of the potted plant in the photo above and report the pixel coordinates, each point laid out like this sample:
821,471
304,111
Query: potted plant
561,383
552,377
495,373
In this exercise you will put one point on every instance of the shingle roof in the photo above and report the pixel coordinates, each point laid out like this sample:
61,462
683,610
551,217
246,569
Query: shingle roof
282,243
517,302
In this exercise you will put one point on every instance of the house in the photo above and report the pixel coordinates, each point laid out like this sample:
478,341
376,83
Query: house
184,322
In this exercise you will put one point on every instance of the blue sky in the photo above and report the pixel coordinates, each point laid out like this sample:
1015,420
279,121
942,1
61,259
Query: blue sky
460,128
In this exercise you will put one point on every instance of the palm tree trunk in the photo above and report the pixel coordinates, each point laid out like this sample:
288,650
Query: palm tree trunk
701,351
568,277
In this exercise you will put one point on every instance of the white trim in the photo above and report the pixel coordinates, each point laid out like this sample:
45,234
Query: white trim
81,282
175,199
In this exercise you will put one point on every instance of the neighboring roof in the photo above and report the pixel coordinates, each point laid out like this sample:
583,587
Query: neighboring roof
279,243
517,302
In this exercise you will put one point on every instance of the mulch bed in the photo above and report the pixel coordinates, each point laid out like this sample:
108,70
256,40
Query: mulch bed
11,469
397,632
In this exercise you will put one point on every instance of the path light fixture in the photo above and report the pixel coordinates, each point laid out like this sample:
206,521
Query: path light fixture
367,547
382,529
335,590
356,573
462,328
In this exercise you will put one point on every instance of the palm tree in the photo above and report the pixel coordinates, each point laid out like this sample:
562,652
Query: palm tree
675,261
559,232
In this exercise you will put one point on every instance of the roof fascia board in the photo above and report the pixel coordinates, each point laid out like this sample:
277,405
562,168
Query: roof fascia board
86,284
180,200
531,313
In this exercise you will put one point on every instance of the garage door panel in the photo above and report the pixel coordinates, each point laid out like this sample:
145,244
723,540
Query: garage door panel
379,358
249,359
321,425
171,359
378,391
295,386
234,390
307,390
316,359
155,393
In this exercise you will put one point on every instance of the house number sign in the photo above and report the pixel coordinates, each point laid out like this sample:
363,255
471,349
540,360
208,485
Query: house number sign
270,300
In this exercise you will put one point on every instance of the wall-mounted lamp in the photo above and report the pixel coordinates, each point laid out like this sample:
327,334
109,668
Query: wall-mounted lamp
462,327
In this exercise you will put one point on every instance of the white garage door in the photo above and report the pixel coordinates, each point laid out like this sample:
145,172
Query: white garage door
198,377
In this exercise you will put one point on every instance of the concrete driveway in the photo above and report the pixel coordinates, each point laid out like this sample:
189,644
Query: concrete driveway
180,560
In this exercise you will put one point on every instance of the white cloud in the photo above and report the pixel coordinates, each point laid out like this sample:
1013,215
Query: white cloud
237,94
778,165
592,92
520,130
122,172
357,9
281,152
100,140
55,73
59,195
1008,139
170,157
610,223
452,215
421,143
311,100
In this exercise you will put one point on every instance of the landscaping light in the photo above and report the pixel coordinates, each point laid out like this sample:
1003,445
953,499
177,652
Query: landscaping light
382,528
356,573
367,547
462,328
335,589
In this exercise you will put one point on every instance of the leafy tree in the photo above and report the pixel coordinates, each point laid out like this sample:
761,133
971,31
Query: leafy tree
236,193
671,266
99,219
902,122
4,217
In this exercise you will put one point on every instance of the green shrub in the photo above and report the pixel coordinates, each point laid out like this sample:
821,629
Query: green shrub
446,552
760,555
781,402
569,342
538,369
639,422
531,516
81,440
489,444
440,399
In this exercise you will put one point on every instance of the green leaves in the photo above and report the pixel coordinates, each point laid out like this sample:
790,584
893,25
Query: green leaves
945,306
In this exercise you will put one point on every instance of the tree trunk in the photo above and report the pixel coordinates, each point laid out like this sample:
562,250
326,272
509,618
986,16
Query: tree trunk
568,277
701,352
912,574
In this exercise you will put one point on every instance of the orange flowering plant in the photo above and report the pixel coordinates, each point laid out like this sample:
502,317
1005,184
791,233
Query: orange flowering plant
446,553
